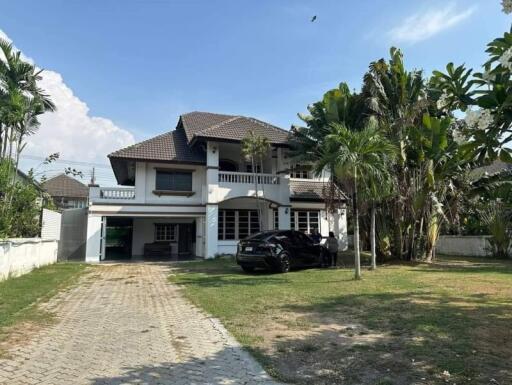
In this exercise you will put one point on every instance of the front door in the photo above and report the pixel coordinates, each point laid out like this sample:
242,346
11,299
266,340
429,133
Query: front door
185,238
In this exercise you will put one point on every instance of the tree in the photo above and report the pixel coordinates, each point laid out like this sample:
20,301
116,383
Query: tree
396,98
255,148
355,156
21,100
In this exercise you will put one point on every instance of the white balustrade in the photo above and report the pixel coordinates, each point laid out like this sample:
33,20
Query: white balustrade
117,193
247,178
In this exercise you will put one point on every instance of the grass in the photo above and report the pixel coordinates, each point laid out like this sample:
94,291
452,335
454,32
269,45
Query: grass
401,324
19,296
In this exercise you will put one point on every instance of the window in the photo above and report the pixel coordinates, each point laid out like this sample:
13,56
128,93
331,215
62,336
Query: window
276,219
237,224
305,220
165,232
174,180
301,172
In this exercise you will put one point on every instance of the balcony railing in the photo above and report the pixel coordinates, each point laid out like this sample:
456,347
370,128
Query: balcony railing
117,193
247,178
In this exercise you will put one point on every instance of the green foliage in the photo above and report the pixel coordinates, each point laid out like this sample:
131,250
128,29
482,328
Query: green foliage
20,205
489,91
497,220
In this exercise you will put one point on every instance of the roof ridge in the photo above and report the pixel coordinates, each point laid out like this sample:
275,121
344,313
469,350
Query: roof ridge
265,124
232,119
140,143
55,176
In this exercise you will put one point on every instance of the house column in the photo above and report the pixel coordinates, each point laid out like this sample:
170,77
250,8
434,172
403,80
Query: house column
211,232
200,238
283,170
94,243
284,217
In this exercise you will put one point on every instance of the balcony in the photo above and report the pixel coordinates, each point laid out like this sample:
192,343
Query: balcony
243,184
111,194
247,178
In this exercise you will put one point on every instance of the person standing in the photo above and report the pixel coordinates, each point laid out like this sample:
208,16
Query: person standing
315,235
332,247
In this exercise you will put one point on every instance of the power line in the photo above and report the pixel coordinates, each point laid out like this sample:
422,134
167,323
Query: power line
41,158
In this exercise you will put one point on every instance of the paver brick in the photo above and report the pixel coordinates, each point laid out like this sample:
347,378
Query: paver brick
127,324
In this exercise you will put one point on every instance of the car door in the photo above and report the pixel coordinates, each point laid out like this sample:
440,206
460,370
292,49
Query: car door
309,250
294,245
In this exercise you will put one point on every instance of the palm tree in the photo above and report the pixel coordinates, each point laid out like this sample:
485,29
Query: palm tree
255,148
397,98
356,156
21,99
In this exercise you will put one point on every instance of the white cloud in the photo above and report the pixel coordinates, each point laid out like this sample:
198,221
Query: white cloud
424,25
71,130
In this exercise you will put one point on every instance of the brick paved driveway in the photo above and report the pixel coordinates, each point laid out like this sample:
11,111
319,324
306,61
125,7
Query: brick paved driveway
126,324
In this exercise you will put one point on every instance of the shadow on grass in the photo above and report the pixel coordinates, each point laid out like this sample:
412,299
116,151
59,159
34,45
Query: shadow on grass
364,339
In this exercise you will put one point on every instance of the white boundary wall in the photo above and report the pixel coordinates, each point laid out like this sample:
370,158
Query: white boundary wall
19,256
464,245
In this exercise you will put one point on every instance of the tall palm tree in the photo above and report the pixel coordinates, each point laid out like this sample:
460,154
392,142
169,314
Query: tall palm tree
356,156
21,99
255,148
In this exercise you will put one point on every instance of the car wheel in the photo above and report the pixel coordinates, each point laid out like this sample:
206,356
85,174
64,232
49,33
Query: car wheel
284,263
247,269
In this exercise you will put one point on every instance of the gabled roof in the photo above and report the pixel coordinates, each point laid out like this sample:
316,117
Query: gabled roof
65,186
310,190
229,127
171,147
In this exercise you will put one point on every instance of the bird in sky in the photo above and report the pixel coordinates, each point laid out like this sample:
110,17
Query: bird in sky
313,18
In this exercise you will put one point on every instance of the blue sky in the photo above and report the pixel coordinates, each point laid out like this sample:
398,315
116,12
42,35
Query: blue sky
139,64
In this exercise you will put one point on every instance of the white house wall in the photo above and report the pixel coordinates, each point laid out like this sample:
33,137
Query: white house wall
145,183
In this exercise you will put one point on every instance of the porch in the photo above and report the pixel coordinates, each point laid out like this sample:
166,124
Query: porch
149,237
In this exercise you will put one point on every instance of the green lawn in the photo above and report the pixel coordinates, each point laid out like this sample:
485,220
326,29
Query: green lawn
402,324
19,295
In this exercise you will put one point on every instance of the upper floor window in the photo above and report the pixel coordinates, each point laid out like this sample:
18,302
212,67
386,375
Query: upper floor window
173,180
301,172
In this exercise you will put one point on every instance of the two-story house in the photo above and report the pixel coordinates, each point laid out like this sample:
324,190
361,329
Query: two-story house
191,192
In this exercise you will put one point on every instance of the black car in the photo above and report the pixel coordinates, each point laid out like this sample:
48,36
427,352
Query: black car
279,250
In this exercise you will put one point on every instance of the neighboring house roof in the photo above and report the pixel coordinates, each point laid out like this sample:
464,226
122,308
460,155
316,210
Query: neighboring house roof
491,169
65,186
309,190
27,180
233,128
171,146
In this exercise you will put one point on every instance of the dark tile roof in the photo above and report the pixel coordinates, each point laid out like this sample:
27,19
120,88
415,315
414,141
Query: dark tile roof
194,122
229,127
171,147
309,190
65,186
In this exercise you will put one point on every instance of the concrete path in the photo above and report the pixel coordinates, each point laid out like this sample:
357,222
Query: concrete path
126,324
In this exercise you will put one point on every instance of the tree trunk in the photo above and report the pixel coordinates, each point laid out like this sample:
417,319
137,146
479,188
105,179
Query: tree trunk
255,176
373,239
263,223
357,252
